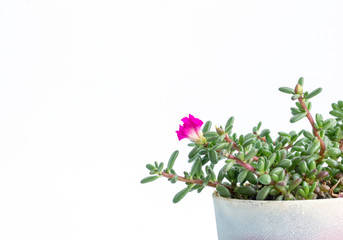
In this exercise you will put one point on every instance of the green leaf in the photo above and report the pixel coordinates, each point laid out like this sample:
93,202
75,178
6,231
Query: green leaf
246,191
314,185
286,90
210,134
259,126
248,142
150,167
240,156
314,93
336,113
302,193
313,148
149,179
252,178
160,167
182,193
263,193
312,165
265,179
298,148
294,184
301,81
314,157
332,163
335,106
223,191
329,123
251,154
303,167
242,176
261,165
220,146
334,152
274,177
172,160
207,126
279,198
306,188
264,133
308,135
309,106
194,152
213,156
295,110
284,134
297,117
340,104
229,123
249,136
285,163
196,166
319,119
224,169
174,179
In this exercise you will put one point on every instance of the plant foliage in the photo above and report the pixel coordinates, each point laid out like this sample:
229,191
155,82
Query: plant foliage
293,166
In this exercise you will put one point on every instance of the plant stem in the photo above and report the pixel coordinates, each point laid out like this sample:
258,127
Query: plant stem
195,181
315,131
229,140
288,146
341,145
240,162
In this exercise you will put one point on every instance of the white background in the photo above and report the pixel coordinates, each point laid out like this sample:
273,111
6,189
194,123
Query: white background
91,91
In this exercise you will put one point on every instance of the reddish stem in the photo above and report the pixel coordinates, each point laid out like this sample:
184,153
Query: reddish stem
288,147
315,131
262,139
243,164
229,140
341,145
195,181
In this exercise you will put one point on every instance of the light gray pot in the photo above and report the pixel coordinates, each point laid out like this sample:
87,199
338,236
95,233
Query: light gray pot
278,220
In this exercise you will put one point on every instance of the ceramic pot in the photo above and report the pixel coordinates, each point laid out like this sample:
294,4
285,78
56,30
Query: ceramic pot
278,220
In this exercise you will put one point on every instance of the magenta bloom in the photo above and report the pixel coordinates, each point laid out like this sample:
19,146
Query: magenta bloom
191,129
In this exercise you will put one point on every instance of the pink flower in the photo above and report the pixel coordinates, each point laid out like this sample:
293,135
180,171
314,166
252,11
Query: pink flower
191,129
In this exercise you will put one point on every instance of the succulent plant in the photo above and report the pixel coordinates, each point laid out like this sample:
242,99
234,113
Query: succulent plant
295,166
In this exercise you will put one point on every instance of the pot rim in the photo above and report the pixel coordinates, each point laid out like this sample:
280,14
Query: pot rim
215,195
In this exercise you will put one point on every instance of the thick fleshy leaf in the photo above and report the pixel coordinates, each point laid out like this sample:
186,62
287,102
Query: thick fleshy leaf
297,117
263,193
149,179
223,191
172,160
182,193
314,93
286,90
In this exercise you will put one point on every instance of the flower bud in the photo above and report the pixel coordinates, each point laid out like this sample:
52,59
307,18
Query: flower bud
220,131
298,89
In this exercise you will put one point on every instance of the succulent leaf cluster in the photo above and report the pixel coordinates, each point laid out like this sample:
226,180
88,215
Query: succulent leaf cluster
294,166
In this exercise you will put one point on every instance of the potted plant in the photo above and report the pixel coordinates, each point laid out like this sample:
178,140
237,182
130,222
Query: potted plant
262,183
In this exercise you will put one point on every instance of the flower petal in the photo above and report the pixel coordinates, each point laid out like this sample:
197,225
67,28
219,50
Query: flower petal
180,133
190,129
